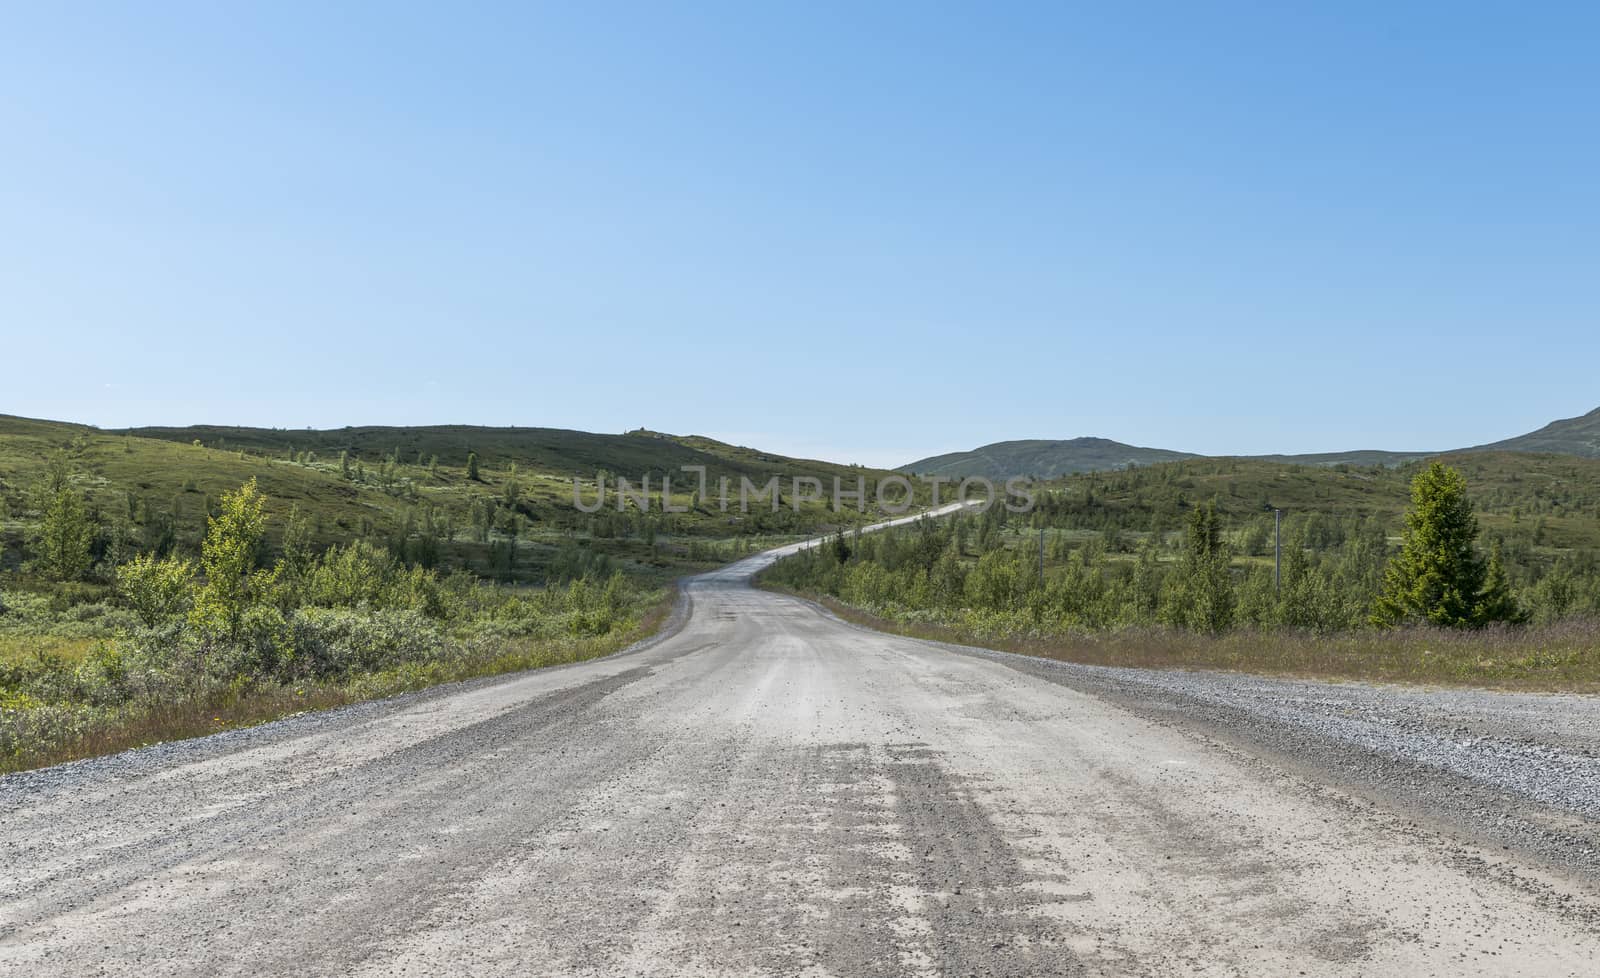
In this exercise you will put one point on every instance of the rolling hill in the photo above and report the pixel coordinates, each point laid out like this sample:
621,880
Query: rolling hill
157,485
557,451
1052,458
1360,457
1570,436
1042,458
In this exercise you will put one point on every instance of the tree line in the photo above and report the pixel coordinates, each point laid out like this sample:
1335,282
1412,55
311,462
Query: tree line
1337,575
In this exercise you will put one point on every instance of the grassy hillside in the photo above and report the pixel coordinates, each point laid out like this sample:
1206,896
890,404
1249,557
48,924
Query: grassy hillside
1570,436
155,487
554,451
1360,457
1551,501
1042,459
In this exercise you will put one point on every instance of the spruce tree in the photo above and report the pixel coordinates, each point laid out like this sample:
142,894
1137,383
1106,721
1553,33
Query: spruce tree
65,536
840,549
1210,580
1204,599
1495,601
1438,577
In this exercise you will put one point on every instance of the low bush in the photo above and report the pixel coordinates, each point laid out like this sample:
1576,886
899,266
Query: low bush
176,650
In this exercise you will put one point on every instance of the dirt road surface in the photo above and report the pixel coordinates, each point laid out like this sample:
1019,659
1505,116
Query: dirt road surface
769,791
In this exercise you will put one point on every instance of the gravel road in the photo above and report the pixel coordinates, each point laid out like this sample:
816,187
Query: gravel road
769,791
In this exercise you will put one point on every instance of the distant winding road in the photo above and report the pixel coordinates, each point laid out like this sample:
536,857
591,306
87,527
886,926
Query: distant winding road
769,791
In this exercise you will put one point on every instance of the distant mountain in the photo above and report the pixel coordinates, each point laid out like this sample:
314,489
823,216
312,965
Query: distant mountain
1042,458
1048,459
1570,436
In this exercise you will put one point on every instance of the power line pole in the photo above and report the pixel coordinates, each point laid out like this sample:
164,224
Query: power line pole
1041,556
1277,550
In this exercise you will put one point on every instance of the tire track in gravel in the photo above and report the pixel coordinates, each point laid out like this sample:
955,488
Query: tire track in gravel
847,858
436,789
982,916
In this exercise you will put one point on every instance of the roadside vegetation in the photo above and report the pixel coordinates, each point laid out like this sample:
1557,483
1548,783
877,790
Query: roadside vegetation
174,582
177,646
1413,588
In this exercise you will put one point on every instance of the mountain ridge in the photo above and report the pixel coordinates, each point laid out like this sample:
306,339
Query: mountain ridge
1050,458
1568,436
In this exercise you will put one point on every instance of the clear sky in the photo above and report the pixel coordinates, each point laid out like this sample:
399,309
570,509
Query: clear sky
870,232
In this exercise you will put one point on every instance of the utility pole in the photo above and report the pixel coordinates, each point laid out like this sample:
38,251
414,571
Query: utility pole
1277,550
1041,556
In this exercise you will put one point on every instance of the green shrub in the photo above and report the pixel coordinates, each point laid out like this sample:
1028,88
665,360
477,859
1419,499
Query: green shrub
330,642
157,589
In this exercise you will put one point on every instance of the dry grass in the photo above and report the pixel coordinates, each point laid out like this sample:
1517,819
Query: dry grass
1563,657
15,648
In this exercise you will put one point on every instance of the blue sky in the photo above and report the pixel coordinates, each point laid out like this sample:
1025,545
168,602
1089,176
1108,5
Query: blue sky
867,232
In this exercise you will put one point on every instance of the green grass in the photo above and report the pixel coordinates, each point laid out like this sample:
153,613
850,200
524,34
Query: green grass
15,648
